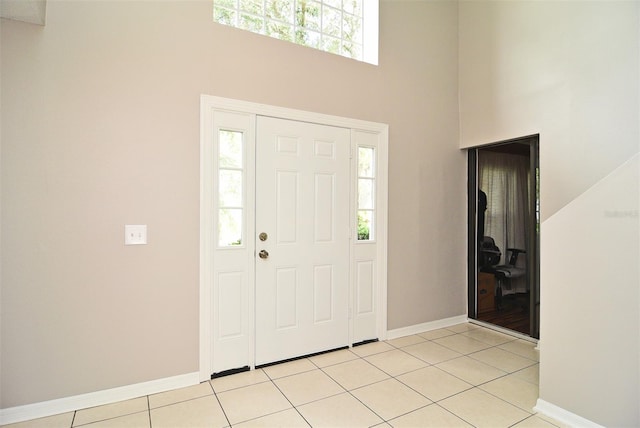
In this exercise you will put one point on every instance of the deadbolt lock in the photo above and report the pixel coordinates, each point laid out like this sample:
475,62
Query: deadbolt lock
263,236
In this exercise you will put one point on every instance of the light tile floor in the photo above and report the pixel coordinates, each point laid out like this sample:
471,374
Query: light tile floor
460,376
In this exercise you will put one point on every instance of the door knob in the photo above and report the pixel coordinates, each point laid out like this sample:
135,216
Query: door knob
263,254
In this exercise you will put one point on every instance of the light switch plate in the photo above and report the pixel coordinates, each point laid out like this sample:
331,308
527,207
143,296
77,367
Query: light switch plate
135,234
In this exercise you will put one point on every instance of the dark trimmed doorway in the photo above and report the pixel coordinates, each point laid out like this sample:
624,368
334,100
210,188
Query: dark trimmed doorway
504,235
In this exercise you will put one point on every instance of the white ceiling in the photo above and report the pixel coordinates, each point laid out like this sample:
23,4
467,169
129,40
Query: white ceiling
31,11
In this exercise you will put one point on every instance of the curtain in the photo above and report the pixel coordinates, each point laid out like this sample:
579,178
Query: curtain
505,180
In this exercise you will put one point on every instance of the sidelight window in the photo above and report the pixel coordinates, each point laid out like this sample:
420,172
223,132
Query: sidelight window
231,174
366,193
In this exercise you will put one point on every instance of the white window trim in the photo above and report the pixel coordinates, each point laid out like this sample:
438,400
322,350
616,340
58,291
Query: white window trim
370,35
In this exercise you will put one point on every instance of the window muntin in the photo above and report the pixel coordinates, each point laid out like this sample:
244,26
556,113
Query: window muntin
231,177
348,28
366,193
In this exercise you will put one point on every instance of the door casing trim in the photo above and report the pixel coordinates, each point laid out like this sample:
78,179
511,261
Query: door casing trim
210,103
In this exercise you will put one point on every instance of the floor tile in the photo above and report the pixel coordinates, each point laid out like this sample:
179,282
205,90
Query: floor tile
339,411
390,398
307,387
252,402
396,362
136,420
56,421
461,328
289,418
431,352
371,348
401,342
434,383
354,374
551,421
464,375
481,409
200,412
287,369
534,422
462,344
503,360
331,358
436,334
181,394
471,371
109,411
430,416
523,348
530,374
514,390
239,380
490,337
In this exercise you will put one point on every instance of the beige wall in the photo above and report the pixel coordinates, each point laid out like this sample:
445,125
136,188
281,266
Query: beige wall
570,72
100,128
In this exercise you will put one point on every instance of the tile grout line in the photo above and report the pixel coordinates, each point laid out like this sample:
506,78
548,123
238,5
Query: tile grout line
490,346
363,386
389,376
215,394
457,416
432,401
477,387
350,392
272,380
462,354
436,402
472,386
287,398
149,411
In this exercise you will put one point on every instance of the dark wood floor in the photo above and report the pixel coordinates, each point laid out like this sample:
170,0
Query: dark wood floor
514,314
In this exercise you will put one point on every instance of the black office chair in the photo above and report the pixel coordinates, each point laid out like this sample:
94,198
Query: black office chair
489,257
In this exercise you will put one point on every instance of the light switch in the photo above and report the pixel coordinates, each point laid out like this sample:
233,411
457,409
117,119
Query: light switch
135,234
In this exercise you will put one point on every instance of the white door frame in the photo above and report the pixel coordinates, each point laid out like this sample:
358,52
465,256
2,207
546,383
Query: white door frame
368,259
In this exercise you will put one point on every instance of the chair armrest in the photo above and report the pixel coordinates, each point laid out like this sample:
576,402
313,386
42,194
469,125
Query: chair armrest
516,250
491,252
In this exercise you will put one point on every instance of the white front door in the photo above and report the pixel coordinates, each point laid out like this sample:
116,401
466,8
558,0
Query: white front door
300,184
302,238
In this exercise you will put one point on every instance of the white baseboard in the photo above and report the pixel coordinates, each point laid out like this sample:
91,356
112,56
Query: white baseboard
427,326
92,399
562,415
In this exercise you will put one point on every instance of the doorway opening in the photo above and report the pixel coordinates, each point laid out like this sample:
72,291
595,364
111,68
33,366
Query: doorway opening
504,235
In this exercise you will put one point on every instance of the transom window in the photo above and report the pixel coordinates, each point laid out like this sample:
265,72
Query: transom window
344,27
